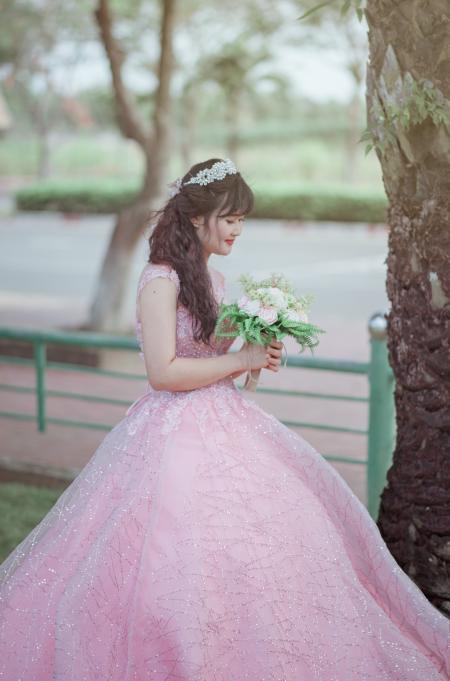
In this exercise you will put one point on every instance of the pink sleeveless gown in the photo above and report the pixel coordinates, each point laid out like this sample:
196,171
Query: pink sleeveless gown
206,541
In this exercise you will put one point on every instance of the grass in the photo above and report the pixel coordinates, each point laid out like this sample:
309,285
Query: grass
107,155
22,507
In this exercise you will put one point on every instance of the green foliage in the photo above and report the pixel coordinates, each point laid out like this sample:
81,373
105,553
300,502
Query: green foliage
105,196
419,100
357,5
22,507
316,203
233,322
275,294
303,203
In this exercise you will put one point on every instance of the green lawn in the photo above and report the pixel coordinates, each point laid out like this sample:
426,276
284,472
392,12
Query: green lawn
22,507
315,159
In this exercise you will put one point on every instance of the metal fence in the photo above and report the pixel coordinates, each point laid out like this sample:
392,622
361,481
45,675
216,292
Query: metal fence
380,430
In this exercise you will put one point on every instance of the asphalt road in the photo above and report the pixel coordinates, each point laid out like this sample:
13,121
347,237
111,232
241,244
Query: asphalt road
49,267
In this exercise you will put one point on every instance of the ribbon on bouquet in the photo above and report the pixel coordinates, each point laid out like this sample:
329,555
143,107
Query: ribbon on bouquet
252,377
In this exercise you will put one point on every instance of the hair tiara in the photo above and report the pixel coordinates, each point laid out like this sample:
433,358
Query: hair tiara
217,172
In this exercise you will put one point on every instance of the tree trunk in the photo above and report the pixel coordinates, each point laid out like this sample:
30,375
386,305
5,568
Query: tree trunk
352,150
107,309
232,114
409,40
43,166
188,126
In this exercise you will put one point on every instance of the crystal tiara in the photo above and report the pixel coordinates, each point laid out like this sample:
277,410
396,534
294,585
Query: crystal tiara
217,172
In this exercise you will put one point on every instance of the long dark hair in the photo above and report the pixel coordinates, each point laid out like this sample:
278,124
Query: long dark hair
174,239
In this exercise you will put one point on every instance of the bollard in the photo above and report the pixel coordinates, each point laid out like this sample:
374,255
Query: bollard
381,440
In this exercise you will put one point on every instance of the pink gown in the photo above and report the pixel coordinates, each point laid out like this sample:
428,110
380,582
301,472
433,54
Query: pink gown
206,541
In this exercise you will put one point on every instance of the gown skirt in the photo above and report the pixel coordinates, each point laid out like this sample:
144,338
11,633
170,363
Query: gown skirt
206,541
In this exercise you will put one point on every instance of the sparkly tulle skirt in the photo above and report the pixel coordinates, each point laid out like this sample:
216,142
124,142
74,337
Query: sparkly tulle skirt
206,541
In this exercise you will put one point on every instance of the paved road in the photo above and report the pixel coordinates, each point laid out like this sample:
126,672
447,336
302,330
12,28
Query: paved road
49,266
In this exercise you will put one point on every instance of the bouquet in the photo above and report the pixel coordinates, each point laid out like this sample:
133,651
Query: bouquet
268,310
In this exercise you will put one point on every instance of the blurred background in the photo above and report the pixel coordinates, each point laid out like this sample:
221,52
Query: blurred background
89,110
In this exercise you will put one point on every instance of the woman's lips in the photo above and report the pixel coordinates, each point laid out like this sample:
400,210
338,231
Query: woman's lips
229,241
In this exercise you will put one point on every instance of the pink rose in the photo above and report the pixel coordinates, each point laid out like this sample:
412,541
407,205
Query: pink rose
242,302
268,314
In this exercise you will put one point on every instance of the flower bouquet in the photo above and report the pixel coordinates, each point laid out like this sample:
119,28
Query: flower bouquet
268,310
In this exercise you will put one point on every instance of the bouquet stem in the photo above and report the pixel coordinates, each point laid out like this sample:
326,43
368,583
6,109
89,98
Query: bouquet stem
251,380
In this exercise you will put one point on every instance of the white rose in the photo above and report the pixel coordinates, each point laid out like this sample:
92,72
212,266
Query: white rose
277,297
292,315
242,302
252,307
268,314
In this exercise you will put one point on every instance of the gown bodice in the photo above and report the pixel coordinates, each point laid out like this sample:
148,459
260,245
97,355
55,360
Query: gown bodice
186,345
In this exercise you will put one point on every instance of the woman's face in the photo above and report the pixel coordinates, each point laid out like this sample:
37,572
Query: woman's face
224,229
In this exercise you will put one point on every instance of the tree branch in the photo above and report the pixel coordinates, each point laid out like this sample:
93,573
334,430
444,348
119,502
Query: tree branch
161,114
128,119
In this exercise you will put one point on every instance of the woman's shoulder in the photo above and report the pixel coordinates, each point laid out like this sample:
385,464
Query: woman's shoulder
219,276
152,270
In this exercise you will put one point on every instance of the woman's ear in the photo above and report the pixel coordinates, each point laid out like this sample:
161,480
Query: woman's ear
198,220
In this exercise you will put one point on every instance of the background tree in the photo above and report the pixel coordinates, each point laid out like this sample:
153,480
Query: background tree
153,139
344,35
36,41
231,63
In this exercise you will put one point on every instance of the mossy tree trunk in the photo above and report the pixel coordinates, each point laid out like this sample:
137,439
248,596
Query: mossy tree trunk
408,93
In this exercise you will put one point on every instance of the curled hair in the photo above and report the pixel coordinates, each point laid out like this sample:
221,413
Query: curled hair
174,239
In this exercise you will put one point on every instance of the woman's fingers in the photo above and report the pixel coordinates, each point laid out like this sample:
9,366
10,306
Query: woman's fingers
276,344
273,352
273,355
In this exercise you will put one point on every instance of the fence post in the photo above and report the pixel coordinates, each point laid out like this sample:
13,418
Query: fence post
381,413
40,364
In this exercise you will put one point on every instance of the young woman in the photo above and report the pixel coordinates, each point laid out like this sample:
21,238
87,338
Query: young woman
205,540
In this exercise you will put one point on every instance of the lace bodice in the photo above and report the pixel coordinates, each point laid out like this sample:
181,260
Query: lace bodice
186,345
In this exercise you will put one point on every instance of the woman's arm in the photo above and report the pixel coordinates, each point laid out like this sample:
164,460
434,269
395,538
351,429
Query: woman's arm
165,371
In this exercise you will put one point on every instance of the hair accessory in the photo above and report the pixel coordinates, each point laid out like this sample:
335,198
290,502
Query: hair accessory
174,187
217,172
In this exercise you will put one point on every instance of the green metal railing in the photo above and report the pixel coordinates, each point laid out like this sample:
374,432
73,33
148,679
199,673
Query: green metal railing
380,430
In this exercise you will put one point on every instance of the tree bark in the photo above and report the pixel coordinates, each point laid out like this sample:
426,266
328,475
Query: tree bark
188,127
107,308
232,115
409,40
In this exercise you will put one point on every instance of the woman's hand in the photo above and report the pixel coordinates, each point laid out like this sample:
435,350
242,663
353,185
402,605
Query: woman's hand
273,352
255,356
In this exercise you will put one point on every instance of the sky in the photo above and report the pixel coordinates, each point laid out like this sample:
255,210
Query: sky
314,74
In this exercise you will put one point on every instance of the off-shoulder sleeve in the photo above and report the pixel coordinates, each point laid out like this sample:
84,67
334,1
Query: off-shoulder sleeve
151,271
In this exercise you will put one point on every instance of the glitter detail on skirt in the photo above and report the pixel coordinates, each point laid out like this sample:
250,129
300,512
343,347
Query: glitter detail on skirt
206,541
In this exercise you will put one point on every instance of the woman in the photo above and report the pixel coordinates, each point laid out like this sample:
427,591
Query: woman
204,540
